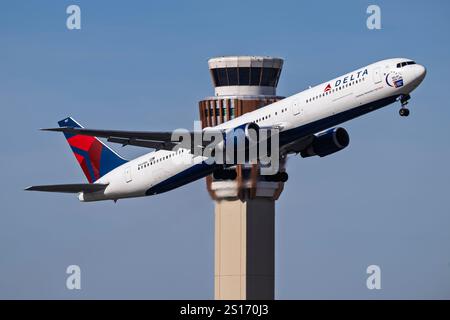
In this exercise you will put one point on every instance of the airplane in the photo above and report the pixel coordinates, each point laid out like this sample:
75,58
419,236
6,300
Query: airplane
306,122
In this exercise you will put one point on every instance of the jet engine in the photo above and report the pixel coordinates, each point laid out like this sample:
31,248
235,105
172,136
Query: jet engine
327,142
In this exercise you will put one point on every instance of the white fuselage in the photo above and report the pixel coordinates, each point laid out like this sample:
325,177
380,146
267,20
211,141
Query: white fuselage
311,111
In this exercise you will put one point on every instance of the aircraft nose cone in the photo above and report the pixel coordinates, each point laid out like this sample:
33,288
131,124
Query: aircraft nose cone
421,71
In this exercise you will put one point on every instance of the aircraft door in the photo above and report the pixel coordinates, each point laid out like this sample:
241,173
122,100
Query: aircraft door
377,75
296,108
128,175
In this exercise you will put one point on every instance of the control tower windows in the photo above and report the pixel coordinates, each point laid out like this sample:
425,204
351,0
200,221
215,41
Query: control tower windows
244,76
277,76
233,76
268,78
222,78
255,76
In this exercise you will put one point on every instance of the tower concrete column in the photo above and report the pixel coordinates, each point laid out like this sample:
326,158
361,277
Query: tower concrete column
245,249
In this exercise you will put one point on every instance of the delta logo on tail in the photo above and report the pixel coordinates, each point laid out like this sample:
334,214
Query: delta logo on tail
94,157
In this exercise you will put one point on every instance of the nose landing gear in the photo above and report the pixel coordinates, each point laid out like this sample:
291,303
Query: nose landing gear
404,111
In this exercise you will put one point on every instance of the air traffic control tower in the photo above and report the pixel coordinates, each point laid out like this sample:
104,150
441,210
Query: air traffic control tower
244,200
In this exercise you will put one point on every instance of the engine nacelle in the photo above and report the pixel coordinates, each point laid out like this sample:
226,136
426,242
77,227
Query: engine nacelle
327,143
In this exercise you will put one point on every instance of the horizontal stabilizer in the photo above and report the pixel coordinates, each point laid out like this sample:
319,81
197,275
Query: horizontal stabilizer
69,188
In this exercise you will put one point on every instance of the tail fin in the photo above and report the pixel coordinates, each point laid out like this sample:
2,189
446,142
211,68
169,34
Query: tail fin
95,158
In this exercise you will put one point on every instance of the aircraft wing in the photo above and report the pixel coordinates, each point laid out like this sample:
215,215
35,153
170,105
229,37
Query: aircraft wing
159,140
297,145
69,188
148,139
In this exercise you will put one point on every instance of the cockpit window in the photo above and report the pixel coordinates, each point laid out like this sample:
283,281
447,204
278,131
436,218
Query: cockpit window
406,63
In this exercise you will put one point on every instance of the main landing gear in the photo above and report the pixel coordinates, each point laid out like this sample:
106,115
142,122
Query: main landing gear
404,111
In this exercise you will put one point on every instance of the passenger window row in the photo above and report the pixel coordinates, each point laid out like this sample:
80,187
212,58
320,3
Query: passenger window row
145,165
269,115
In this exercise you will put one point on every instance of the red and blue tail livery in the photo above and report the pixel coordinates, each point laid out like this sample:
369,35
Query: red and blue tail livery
95,158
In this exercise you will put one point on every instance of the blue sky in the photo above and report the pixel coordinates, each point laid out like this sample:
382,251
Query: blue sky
143,66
